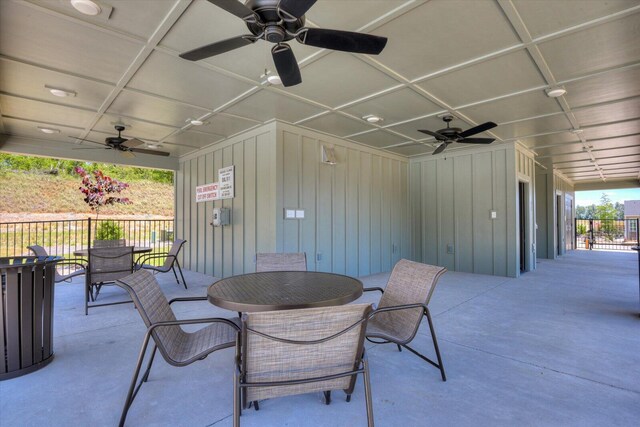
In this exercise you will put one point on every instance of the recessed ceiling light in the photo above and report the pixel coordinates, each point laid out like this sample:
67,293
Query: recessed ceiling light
196,122
87,7
274,79
60,92
555,92
154,146
48,130
371,118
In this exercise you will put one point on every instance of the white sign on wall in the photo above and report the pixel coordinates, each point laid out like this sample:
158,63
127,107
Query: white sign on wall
207,192
225,179
223,189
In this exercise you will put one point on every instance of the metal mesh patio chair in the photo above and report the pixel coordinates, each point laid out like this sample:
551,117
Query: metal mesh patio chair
71,267
289,352
404,301
170,261
106,265
281,262
177,347
109,243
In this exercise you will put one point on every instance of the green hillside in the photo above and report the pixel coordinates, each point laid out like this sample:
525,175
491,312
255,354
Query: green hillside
38,193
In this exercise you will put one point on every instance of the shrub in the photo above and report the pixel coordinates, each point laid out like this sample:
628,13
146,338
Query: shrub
108,230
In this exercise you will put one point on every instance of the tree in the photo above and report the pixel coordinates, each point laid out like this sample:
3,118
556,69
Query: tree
607,214
98,193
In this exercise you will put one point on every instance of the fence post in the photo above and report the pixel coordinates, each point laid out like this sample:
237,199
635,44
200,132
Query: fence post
591,234
575,233
89,234
638,233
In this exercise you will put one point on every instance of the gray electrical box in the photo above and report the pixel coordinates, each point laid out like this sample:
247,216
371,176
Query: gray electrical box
221,217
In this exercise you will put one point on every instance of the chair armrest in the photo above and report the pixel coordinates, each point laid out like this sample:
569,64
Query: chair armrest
398,307
192,322
145,257
373,289
73,262
187,299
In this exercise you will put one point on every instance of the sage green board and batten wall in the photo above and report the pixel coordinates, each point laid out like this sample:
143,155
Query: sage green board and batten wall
356,212
224,251
452,196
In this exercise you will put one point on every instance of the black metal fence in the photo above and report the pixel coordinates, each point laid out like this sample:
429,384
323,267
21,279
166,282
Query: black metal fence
613,234
62,238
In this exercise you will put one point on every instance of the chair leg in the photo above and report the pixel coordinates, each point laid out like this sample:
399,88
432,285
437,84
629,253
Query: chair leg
174,274
435,344
367,393
236,399
145,377
132,387
86,297
399,347
181,275
327,397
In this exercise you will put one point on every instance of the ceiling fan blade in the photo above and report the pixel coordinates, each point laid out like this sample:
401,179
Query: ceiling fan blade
345,41
478,129
218,47
286,64
440,148
236,8
436,135
477,140
145,151
133,142
294,8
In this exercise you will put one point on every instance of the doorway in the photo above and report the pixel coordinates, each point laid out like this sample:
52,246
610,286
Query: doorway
559,225
522,227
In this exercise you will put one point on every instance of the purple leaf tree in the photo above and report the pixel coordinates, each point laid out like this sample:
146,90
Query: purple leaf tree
98,192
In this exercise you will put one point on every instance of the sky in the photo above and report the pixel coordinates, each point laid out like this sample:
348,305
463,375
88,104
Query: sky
587,198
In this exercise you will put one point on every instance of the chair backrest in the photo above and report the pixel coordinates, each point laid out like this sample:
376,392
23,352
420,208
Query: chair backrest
109,243
173,252
265,359
410,283
38,250
281,262
153,308
110,263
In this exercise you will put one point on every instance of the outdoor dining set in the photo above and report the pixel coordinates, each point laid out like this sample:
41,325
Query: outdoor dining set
295,331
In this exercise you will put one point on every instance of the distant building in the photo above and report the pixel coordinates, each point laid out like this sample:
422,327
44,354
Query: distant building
631,216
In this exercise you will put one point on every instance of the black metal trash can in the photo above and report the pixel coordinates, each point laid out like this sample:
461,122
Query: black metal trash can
26,314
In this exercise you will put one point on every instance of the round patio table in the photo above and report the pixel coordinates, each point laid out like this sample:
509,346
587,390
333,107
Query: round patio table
283,290
136,250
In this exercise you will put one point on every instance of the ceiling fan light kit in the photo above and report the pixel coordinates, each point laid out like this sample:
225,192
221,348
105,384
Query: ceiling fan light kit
279,21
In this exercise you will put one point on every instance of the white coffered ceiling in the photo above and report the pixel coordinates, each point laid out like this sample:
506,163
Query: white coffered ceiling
481,60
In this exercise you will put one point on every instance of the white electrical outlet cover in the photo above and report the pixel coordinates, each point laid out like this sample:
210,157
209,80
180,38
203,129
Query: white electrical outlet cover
300,213
289,213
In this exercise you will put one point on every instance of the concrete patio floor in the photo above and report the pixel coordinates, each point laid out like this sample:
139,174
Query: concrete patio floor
558,346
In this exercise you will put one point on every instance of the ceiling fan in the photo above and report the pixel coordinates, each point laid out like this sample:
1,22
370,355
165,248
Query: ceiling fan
278,21
449,134
126,146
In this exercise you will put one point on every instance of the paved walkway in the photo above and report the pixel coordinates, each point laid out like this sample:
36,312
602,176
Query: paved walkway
558,346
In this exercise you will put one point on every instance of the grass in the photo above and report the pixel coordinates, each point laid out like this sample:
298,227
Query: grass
42,193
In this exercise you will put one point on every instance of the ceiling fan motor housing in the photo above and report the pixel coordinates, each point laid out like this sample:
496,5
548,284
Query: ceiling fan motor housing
276,30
